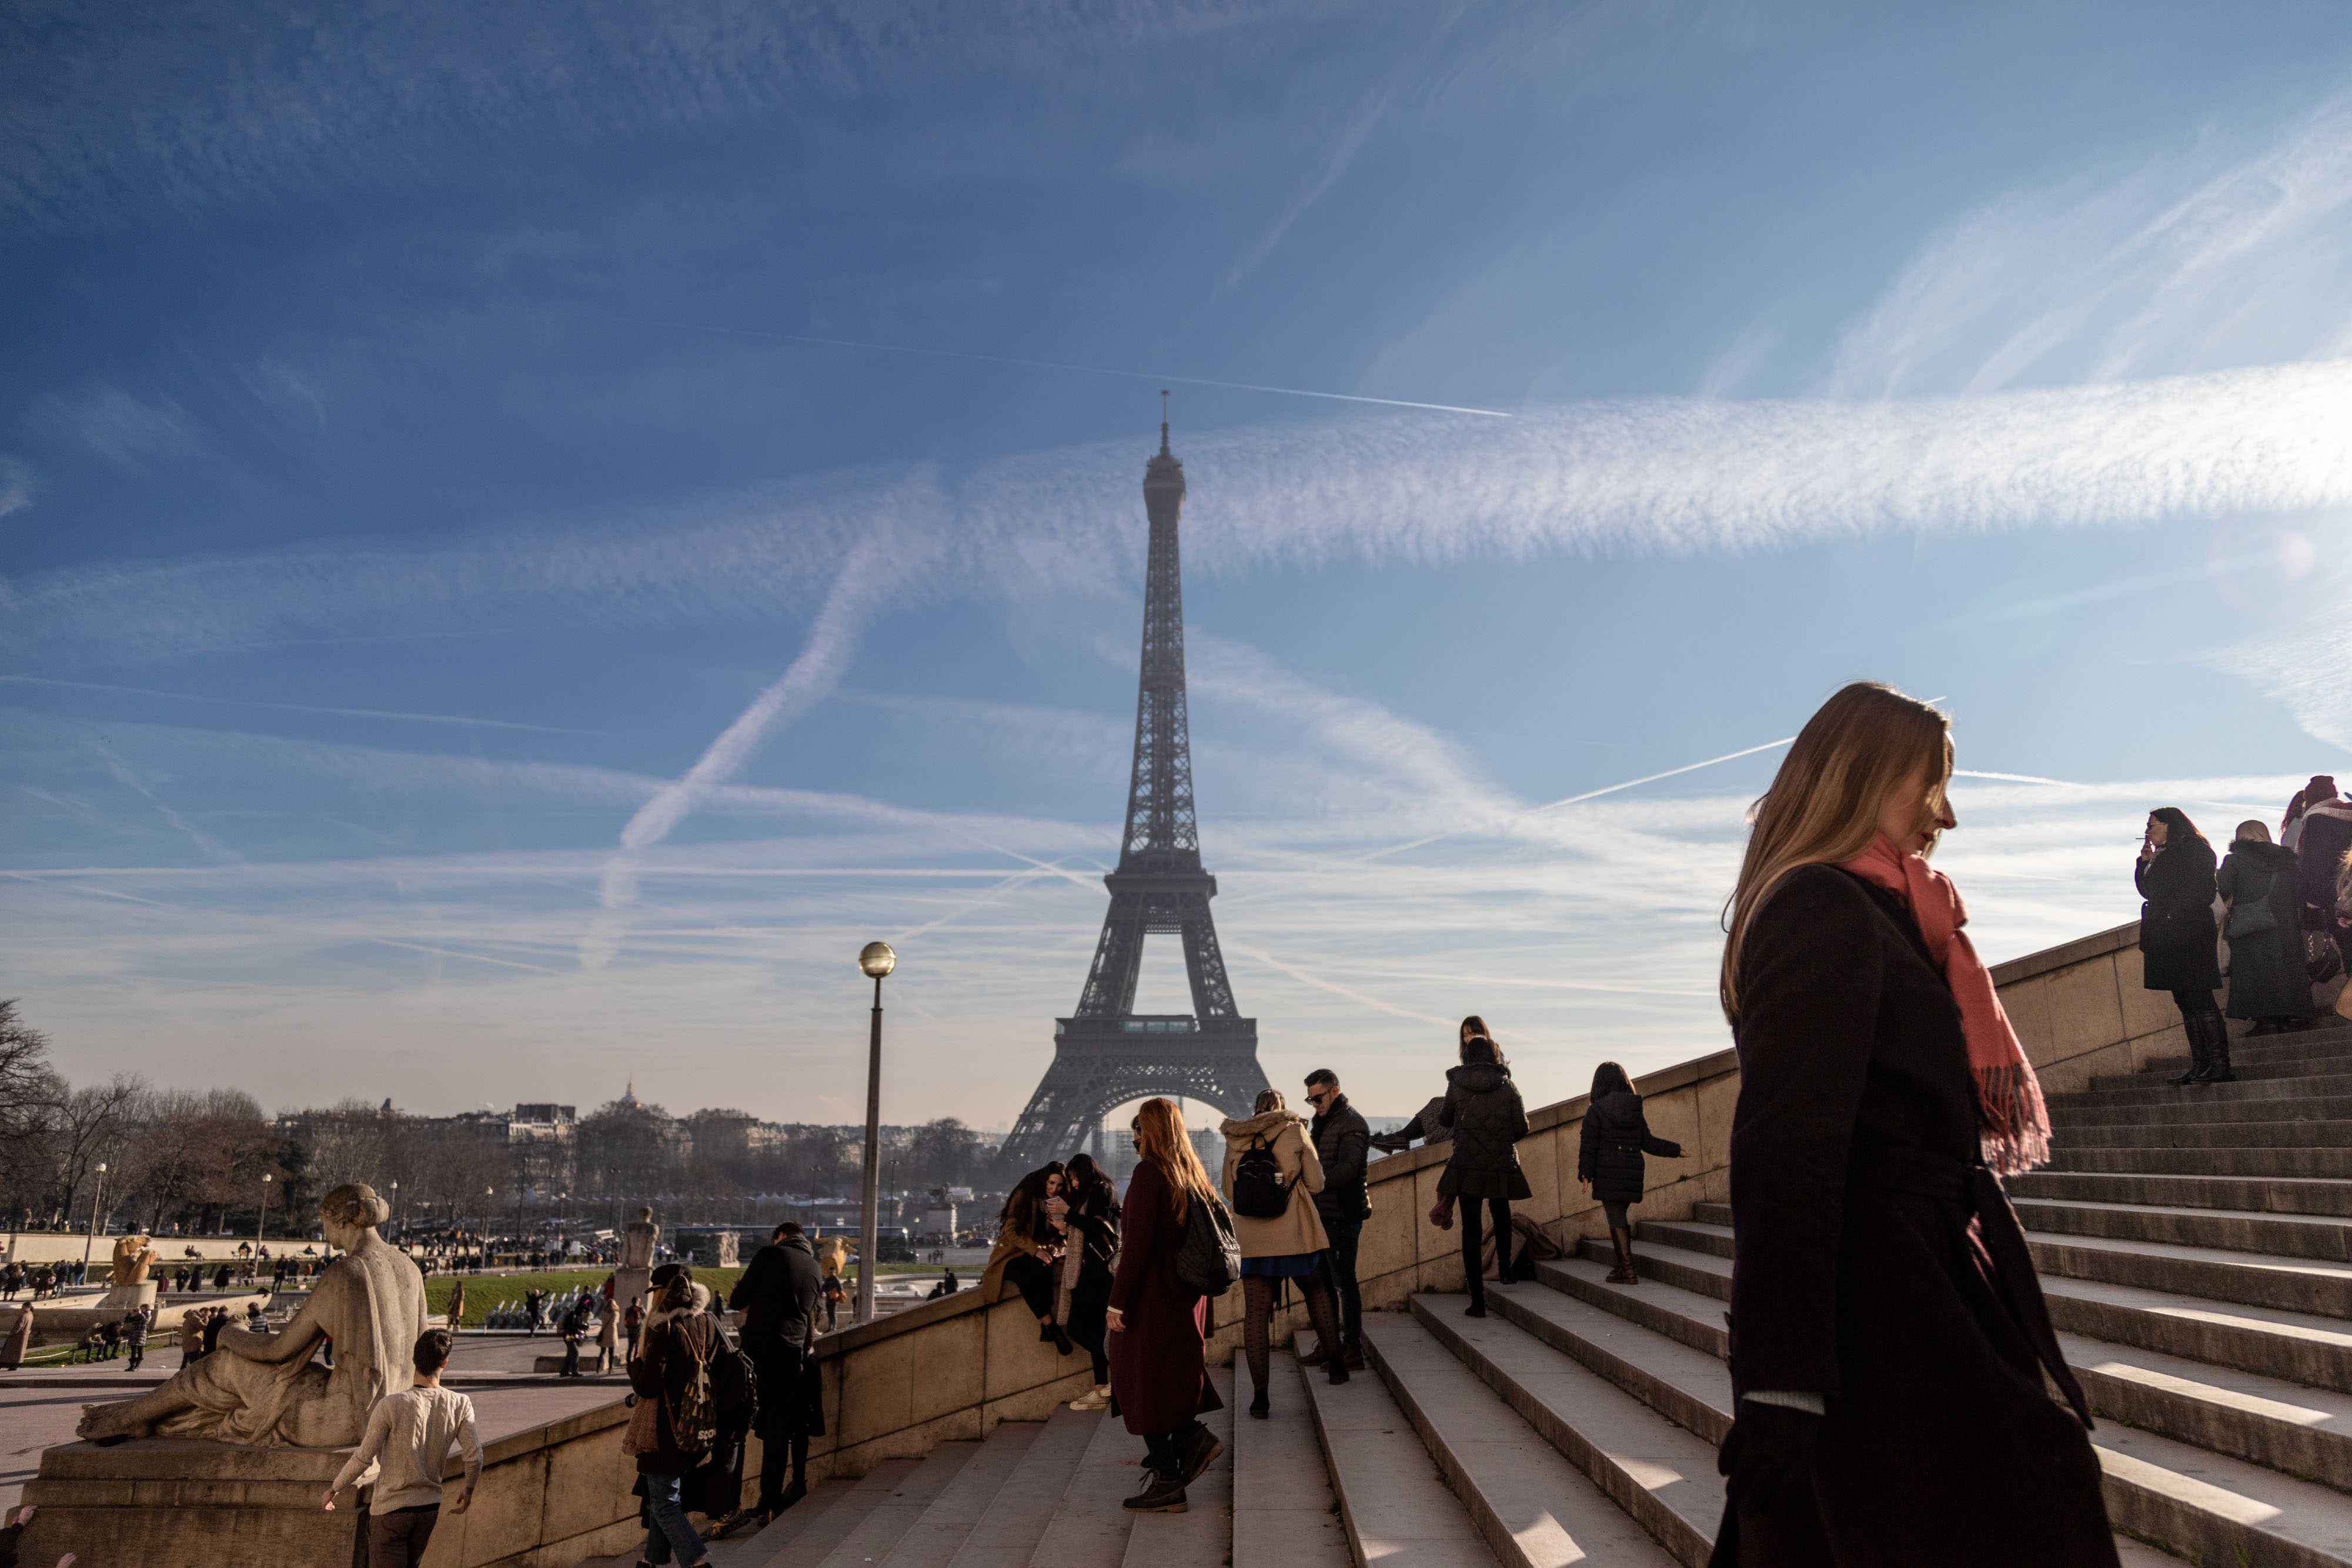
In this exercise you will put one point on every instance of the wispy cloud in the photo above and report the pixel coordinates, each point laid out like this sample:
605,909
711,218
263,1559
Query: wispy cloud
18,484
115,424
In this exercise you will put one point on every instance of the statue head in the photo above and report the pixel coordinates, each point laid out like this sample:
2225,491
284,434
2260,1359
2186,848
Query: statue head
349,1212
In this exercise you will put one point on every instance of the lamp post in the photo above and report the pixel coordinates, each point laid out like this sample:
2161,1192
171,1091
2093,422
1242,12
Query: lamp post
263,1217
874,960
490,1195
92,1239
400,1214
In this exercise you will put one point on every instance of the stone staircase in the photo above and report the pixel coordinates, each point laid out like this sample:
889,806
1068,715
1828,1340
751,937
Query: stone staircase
2196,1250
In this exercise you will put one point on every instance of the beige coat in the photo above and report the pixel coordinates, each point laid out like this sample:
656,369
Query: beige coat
1301,1229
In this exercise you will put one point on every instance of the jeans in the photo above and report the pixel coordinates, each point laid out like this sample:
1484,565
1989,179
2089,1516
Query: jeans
1339,1267
669,1528
1473,1267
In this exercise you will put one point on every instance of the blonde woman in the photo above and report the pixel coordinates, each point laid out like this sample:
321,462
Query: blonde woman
1889,1339
1287,1245
1159,1327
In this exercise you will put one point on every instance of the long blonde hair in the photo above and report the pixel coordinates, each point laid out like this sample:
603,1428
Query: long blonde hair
1159,1136
1823,805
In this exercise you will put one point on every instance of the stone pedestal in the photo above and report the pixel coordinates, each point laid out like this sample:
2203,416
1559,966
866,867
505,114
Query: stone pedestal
161,1502
630,1285
123,1298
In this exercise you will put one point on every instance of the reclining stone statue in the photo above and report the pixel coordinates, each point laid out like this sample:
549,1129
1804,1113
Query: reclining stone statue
264,1390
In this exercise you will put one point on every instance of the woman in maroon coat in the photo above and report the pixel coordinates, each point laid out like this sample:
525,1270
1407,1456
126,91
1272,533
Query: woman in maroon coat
1159,1329
1889,1338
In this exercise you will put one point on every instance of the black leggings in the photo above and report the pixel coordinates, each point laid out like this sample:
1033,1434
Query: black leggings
1473,1267
1034,1277
1258,1299
1089,1319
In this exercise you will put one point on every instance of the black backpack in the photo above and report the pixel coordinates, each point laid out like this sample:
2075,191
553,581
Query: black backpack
1208,1259
1259,1191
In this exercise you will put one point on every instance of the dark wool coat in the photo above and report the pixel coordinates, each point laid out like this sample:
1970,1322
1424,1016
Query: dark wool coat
777,1294
1158,1362
1483,1107
1343,1142
1609,1154
2267,977
1859,1276
2326,834
2175,923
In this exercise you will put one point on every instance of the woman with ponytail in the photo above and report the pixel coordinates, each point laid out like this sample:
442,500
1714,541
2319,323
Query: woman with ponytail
1889,1339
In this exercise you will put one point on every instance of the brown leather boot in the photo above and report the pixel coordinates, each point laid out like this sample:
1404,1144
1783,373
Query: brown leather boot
1623,1273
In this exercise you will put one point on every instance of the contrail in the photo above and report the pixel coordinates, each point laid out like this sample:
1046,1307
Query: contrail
992,360
289,707
804,684
1574,799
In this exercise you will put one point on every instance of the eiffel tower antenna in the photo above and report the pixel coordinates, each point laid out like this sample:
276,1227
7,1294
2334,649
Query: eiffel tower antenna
1105,1052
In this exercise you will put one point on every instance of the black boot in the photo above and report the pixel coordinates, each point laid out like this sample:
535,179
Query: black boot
1622,1240
2194,1028
2217,1062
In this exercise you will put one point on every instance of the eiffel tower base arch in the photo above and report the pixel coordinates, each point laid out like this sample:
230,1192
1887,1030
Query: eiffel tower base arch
1101,1063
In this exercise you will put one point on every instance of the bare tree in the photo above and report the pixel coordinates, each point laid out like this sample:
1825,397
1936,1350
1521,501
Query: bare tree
93,1125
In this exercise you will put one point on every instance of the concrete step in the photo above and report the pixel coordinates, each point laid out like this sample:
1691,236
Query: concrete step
1202,1536
2217,1134
1283,1513
2326,1082
1687,1269
815,1539
2275,1102
1693,1235
2287,1056
1088,1528
1691,1318
887,1522
2208,1509
1533,1506
1661,1473
758,1548
2321,1237
2306,1164
2258,1195
2293,1427
1015,1521
2245,1279
1396,1506
2295,1348
934,1538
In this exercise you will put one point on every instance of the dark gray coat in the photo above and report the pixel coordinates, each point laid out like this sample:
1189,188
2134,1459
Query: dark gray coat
1344,1144
2267,977
2175,923
1608,1152
1483,1107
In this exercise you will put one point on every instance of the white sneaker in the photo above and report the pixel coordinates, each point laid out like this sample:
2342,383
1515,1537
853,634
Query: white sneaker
1098,1400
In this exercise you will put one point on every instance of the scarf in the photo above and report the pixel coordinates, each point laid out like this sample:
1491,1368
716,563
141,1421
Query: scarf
2013,1123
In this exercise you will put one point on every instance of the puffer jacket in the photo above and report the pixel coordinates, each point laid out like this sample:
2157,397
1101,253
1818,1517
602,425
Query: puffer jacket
1609,1154
675,1339
1298,1228
1483,1107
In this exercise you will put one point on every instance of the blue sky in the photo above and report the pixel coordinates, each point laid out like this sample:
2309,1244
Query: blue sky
527,537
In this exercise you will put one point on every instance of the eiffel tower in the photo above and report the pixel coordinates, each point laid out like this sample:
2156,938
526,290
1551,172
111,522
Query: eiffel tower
1105,1052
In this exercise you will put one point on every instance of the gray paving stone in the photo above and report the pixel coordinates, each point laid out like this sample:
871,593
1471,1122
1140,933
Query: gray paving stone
947,1523
1009,1529
889,1521
1088,1528
1396,1508
1285,1515
831,1528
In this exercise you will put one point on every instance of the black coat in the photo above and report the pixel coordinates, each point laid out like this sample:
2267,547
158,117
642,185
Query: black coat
1483,1107
2175,923
1608,1152
2326,834
1859,1278
777,1295
1344,1144
2267,977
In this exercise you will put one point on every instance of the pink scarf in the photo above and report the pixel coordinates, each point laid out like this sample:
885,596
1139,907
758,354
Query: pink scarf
2014,1123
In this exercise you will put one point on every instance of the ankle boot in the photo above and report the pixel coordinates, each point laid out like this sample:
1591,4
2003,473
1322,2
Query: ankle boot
2217,1056
1622,1240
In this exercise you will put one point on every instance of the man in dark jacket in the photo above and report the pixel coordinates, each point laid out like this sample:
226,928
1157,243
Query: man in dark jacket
777,1296
1343,1142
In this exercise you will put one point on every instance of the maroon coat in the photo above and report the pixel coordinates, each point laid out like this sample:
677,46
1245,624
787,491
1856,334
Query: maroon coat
1158,1361
1880,1267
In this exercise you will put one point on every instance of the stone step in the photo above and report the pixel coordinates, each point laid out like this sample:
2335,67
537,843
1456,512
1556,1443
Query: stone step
2320,1237
2216,1135
1691,1318
761,1546
1661,1473
775,1548
1088,1528
1533,1508
895,1513
1395,1505
2275,1103
2245,1278
1009,1529
2208,1509
1202,1536
2260,1194
2239,1164
2287,1056
2325,1083
1283,1513
1693,1235
934,1538
2288,1426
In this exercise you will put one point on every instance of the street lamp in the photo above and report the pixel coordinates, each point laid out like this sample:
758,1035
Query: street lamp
92,1239
400,1214
873,961
263,1216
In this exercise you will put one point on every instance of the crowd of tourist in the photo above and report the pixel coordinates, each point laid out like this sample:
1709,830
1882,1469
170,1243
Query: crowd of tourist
2281,910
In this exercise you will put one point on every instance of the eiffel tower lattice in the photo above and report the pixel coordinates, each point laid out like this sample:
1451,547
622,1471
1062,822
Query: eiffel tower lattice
1105,1053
